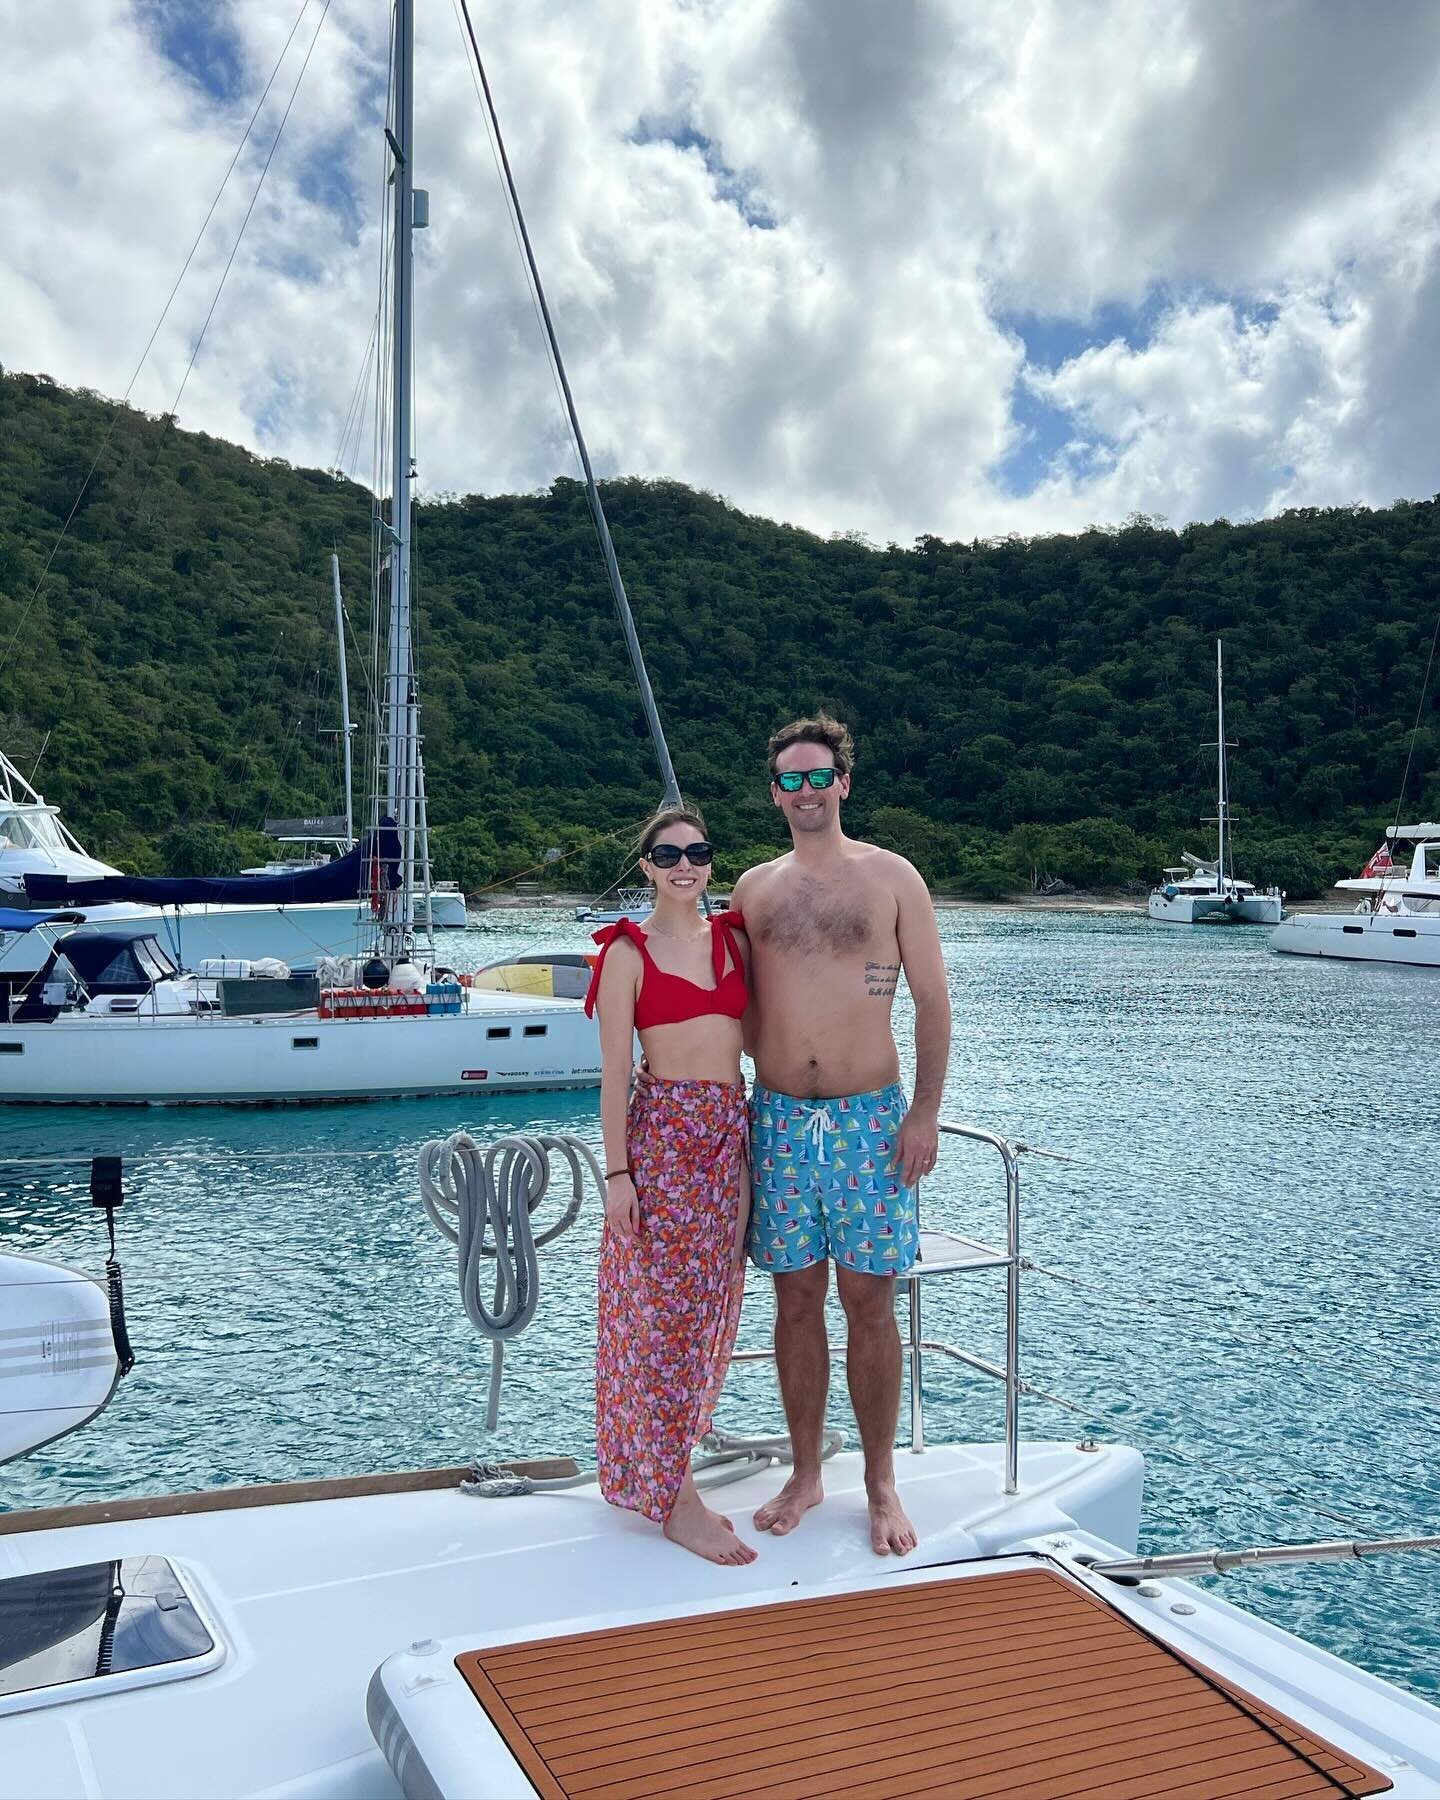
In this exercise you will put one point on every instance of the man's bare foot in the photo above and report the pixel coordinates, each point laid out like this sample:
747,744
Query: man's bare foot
790,1505
891,1533
694,1527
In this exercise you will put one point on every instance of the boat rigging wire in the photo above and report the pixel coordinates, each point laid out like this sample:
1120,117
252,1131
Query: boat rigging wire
150,341
355,412
597,509
1226,1562
1409,756
169,418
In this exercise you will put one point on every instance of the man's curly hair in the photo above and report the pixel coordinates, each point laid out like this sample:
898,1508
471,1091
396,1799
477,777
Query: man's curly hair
829,733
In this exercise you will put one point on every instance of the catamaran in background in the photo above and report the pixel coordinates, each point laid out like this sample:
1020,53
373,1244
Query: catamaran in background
1197,893
1398,921
1207,893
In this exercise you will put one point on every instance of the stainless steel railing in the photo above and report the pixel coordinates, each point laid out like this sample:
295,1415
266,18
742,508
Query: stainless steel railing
1010,1261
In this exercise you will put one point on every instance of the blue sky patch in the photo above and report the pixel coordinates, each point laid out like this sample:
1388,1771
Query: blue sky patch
325,179
1051,340
1046,432
731,186
196,36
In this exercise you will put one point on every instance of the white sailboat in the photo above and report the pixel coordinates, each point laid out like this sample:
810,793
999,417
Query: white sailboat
1398,921
118,1021
1207,893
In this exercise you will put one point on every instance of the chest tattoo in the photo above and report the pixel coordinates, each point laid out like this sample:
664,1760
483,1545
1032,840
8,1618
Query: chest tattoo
880,979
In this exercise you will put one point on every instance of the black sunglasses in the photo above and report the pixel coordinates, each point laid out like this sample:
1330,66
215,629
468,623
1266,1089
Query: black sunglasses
793,780
666,856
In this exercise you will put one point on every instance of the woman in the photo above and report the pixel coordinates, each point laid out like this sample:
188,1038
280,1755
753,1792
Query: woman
672,1270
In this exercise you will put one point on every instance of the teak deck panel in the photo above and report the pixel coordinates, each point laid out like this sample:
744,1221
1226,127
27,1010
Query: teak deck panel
1012,1684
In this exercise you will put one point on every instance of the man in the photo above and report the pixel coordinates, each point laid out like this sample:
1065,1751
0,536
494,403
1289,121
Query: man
836,1154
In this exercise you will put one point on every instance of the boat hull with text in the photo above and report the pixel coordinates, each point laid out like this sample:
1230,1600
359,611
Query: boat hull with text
496,1043
1412,940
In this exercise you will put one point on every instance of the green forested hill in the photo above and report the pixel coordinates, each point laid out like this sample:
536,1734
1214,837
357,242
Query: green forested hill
1024,708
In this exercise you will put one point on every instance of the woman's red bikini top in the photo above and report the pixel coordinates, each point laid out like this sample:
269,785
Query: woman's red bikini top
666,999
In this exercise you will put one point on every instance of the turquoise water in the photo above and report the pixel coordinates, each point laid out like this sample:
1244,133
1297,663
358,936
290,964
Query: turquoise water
1252,1197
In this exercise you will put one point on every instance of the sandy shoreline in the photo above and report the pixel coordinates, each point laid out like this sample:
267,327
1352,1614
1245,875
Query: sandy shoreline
1078,902
1335,901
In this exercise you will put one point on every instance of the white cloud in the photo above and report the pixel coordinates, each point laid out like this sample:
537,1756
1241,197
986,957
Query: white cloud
1255,181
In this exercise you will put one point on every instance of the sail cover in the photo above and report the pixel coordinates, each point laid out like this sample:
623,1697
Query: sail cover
373,865
14,919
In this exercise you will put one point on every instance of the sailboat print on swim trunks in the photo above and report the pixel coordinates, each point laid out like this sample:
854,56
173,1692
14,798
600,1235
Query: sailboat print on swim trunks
825,1183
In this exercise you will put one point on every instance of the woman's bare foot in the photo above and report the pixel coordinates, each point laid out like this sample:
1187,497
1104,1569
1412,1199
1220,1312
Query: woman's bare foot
694,1527
790,1505
891,1533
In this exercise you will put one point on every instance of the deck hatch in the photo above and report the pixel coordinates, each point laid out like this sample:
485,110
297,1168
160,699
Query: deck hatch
1015,1684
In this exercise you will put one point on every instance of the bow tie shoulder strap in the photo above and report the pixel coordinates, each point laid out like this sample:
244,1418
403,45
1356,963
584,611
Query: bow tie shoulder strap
723,926
605,937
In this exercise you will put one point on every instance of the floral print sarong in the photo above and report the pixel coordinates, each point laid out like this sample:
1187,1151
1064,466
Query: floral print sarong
670,1305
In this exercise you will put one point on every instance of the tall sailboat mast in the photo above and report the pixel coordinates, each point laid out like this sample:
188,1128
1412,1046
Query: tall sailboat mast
402,763
1224,795
346,728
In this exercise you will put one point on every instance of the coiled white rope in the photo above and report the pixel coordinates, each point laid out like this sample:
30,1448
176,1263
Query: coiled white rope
490,1196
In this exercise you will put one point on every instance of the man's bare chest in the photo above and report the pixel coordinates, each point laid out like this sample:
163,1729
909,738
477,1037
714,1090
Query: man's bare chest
822,920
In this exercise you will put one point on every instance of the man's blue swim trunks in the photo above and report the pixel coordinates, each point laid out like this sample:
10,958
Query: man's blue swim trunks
825,1184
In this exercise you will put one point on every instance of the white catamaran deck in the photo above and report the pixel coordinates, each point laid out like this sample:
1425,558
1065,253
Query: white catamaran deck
310,1599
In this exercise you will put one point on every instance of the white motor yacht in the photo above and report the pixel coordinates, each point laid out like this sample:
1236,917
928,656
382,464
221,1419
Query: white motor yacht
1398,921
34,840
635,904
1207,893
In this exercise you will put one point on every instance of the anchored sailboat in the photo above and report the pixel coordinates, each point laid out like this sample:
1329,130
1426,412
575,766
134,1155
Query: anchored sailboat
1207,893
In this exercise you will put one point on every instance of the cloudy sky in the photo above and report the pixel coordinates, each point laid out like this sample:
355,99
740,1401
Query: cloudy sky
894,266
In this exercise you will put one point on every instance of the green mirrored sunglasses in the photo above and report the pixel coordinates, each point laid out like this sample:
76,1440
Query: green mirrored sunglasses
793,780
